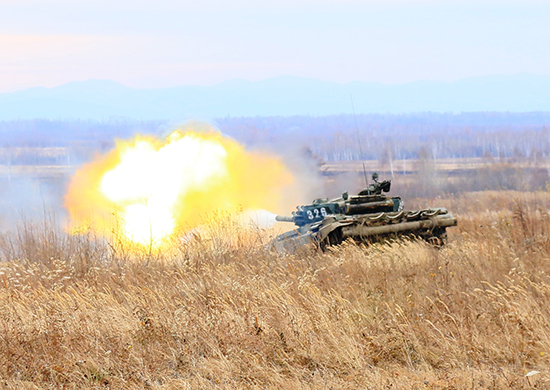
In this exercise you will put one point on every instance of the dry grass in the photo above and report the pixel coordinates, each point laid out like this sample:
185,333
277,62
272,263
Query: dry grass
78,312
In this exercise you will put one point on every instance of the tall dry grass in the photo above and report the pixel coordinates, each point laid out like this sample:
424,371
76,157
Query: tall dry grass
219,311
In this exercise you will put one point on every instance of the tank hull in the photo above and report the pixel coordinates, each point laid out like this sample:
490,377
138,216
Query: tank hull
430,224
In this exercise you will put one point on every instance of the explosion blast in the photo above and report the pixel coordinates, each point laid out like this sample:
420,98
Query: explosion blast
147,189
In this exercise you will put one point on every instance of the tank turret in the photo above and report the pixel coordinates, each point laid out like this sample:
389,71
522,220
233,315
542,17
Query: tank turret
368,201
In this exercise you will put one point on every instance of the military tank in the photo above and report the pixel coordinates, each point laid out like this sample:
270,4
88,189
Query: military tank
366,217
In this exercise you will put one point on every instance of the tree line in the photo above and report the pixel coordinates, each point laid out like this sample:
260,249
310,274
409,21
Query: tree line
381,137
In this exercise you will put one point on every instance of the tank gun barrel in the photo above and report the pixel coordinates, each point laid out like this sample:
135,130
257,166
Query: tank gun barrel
284,218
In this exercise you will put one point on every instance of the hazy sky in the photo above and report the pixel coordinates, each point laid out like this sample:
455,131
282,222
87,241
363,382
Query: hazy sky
162,43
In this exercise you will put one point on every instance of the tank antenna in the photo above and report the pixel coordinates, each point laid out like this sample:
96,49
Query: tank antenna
359,141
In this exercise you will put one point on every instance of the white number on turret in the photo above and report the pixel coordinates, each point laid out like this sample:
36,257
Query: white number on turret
317,213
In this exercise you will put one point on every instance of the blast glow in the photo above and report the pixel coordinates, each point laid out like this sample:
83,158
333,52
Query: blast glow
147,190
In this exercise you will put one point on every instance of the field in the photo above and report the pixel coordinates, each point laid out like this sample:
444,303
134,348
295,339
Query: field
223,313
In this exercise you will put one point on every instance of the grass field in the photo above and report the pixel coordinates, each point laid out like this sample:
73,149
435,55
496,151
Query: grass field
80,312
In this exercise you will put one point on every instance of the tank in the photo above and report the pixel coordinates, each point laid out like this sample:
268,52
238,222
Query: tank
366,217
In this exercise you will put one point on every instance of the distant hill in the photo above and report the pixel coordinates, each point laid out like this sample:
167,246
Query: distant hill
283,95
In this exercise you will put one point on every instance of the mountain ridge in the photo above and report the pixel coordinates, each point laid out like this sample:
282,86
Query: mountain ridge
281,95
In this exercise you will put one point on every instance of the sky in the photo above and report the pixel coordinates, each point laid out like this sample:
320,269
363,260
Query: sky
166,43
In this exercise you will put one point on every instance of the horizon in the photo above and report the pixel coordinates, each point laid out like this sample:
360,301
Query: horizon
280,95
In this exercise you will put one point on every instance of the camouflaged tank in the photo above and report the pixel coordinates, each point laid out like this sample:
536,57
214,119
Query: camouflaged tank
365,217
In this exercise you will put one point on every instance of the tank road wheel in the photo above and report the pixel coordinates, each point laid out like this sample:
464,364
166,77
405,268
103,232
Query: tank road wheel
438,238
333,238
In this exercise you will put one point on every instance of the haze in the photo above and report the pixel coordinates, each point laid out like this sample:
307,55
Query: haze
166,43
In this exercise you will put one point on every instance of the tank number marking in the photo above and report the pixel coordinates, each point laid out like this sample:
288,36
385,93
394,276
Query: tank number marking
316,213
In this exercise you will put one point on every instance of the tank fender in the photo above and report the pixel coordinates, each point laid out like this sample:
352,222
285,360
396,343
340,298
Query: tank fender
330,224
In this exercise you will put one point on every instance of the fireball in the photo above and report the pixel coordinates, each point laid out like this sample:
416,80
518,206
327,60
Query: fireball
147,190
